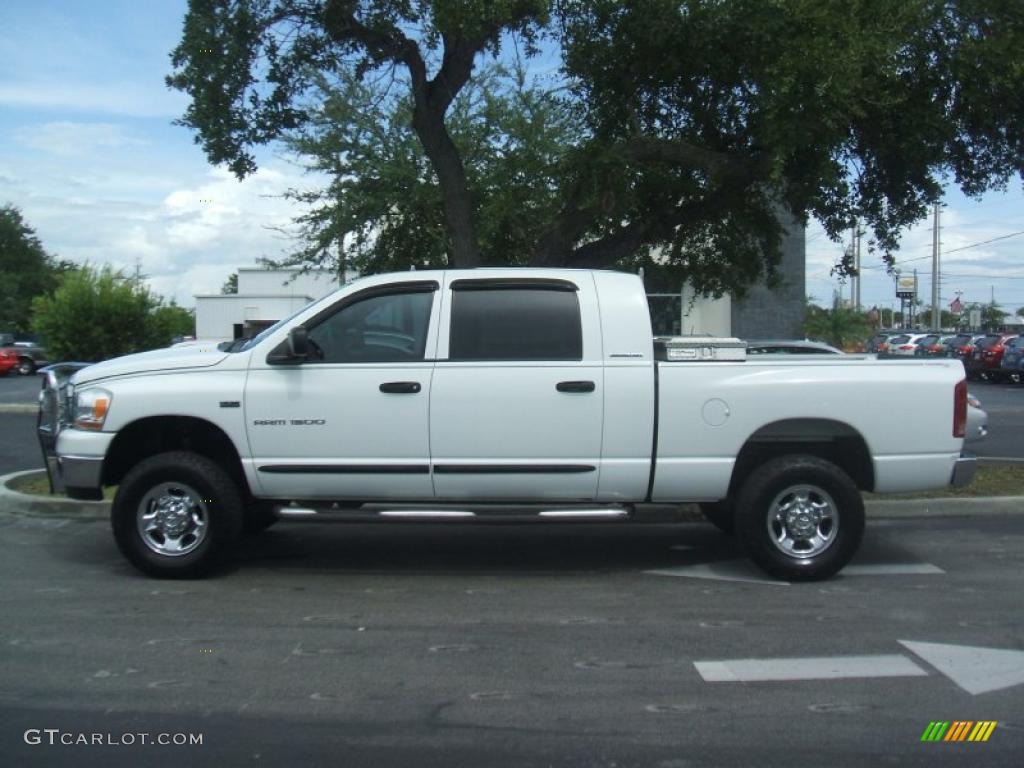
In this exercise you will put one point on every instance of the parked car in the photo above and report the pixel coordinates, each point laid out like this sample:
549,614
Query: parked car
986,359
1012,365
8,360
30,356
879,343
903,345
961,345
930,346
790,347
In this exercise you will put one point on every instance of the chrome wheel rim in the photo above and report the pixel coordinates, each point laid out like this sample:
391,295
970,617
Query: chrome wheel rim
803,521
172,519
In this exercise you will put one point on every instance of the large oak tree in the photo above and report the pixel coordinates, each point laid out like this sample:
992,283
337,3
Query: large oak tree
695,122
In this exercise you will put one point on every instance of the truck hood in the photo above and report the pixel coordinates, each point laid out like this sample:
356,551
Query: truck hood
173,359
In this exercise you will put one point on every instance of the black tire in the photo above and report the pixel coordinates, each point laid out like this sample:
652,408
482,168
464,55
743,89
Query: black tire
26,367
218,506
721,514
828,490
259,515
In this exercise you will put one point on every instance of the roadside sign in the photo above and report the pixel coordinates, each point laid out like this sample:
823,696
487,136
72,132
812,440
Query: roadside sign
906,286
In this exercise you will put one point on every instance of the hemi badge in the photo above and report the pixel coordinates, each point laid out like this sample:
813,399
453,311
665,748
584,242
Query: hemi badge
230,404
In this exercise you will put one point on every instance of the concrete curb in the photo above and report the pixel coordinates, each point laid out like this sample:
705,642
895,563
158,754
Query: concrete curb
18,408
964,506
27,505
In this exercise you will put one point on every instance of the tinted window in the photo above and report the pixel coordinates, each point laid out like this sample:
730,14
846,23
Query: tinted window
515,324
378,329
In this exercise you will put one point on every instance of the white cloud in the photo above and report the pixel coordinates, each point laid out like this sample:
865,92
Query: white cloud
68,138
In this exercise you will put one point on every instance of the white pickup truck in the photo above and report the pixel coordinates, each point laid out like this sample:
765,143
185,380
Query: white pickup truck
485,394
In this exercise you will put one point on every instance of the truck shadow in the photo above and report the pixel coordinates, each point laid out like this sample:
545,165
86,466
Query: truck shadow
482,547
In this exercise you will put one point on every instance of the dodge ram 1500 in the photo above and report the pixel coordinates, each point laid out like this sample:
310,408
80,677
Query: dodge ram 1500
483,394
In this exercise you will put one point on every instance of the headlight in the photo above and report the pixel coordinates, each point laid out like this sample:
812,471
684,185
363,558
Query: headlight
90,408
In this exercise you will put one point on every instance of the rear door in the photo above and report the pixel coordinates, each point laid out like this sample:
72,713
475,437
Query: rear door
517,397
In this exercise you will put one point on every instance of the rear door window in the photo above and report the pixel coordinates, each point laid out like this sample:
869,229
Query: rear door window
514,323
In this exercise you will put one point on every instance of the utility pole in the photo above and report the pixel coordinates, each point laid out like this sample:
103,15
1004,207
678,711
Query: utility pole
913,301
139,277
856,264
936,309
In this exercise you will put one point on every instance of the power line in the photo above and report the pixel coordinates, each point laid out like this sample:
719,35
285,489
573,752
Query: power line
952,250
985,242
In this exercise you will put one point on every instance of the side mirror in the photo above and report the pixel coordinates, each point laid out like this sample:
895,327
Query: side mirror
298,342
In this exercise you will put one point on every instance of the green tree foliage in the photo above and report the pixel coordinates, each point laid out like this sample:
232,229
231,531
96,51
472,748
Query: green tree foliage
1020,311
839,326
26,271
231,284
384,207
170,321
992,316
946,318
98,314
695,122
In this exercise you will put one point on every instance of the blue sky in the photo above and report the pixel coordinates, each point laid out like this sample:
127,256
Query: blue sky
89,154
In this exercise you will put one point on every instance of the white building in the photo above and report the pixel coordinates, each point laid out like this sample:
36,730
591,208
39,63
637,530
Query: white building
264,297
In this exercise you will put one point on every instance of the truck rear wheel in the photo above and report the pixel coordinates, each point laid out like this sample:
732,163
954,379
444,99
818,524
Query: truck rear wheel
800,518
176,514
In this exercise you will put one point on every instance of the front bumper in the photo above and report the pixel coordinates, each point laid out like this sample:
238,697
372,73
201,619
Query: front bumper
964,469
73,458
81,476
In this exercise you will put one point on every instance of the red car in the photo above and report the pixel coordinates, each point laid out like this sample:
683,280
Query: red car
8,360
985,360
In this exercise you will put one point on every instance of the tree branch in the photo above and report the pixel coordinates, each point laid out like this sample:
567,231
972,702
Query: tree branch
721,166
387,44
605,251
725,171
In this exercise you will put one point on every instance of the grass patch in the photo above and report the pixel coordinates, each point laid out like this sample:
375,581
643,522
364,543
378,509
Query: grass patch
36,484
989,480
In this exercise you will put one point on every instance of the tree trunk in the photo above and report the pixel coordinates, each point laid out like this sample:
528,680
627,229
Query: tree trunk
451,175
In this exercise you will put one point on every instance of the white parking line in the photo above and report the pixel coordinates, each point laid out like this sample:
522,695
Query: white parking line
820,668
891,569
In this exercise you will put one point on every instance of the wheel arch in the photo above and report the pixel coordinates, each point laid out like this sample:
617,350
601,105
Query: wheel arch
828,439
151,435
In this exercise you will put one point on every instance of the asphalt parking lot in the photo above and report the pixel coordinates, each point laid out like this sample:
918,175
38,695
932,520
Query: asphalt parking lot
467,645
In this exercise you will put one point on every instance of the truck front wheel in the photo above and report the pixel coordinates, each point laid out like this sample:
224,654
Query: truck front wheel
800,518
176,514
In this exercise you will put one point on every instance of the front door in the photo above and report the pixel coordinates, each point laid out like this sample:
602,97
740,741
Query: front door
350,422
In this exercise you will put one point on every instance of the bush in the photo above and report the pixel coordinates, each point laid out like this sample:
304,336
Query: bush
98,314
